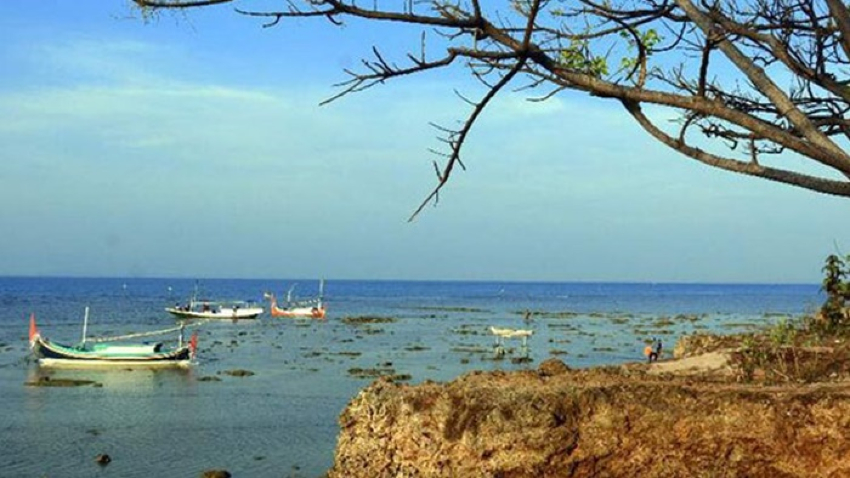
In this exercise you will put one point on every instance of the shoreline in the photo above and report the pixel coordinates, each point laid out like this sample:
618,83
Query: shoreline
700,412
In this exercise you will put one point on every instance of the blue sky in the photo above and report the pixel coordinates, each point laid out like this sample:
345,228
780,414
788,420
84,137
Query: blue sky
196,147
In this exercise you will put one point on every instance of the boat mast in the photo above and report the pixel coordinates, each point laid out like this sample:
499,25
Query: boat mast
289,294
321,292
85,324
194,298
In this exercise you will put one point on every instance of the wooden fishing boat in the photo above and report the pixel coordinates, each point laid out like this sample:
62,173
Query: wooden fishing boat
197,308
112,351
216,309
310,308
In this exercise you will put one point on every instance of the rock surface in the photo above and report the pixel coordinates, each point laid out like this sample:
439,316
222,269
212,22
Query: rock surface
630,421
215,474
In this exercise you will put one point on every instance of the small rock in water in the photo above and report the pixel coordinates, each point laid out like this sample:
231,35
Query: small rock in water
59,382
239,373
215,474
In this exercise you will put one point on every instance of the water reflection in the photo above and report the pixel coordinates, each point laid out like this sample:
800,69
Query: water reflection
115,379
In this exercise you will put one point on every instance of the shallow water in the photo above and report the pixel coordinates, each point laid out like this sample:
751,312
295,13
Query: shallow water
282,421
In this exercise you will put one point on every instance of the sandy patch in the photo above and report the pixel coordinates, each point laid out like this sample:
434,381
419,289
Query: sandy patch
708,362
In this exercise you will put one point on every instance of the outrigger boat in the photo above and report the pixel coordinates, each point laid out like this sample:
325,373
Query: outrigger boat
311,308
215,309
211,309
110,351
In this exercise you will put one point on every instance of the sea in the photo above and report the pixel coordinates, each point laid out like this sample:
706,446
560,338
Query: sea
279,418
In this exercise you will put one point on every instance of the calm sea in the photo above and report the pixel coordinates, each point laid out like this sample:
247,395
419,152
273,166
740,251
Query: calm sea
282,421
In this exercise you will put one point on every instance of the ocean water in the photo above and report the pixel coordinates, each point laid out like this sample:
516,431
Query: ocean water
282,421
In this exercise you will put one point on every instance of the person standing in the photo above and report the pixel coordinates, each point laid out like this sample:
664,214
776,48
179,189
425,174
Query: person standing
649,352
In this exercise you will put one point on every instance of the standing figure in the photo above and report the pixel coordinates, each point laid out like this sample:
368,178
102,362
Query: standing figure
650,352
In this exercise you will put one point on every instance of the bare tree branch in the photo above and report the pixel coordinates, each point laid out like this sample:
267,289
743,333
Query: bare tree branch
178,3
755,78
841,188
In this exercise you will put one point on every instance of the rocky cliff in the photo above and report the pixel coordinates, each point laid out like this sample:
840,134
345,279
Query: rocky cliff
617,421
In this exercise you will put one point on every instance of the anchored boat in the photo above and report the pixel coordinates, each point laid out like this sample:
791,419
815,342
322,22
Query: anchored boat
113,351
310,308
215,309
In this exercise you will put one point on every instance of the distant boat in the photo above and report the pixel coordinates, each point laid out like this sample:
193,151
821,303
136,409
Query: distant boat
310,308
215,309
112,351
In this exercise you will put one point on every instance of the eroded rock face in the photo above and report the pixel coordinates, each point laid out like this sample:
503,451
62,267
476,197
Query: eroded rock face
697,344
607,422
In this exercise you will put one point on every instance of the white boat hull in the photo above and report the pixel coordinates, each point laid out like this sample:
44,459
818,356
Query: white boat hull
239,313
124,364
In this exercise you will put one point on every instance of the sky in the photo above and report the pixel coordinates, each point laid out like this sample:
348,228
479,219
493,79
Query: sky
195,146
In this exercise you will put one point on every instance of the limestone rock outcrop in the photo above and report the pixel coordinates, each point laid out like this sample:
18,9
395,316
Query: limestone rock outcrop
605,422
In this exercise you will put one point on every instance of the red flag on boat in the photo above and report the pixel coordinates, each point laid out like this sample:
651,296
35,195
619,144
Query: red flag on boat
193,344
33,328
